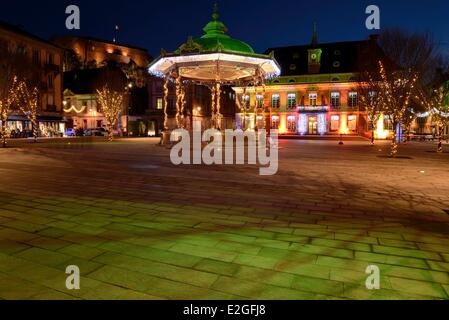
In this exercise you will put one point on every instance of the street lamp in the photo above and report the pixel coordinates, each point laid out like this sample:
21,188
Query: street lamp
127,110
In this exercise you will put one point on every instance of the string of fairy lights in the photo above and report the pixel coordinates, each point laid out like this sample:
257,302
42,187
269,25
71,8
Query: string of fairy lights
111,105
166,103
397,89
30,105
6,105
26,98
216,91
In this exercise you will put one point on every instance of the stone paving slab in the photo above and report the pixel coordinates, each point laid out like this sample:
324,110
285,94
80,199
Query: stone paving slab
204,232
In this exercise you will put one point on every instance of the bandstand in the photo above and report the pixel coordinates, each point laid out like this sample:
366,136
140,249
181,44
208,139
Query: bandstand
214,60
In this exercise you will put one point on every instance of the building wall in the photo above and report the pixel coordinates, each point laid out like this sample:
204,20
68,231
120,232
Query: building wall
304,115
84,112
95,50
48,59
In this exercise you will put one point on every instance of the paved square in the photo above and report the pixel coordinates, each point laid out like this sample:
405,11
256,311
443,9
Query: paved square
139,227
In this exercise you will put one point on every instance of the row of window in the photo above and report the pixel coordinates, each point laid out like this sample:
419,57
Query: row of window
35,53
37,57
292,102
312,122
351,123
335,100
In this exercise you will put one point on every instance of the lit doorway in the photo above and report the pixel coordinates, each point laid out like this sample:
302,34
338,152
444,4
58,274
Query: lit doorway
313,125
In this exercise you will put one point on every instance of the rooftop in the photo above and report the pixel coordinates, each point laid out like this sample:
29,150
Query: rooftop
336,57
100,40
21,31
215,37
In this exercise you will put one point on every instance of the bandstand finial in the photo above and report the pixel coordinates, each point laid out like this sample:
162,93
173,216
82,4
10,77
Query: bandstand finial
215,15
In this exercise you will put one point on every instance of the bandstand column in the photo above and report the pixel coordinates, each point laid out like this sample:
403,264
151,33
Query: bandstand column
218,116
213,106
244,110
255,105
166,132
165,103
179,100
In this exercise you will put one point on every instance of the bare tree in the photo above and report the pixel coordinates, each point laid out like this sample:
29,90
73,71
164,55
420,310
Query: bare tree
28,102
11,68
436,102
8,100
371,101
111,103
409,59
397,88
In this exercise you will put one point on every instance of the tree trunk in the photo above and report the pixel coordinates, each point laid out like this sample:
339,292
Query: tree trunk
111,135
3,133
440,140
35,131
405,137
372,137
394,144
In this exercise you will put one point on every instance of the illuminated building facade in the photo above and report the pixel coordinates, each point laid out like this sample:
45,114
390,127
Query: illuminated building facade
45,59
316,94
81,108
91,53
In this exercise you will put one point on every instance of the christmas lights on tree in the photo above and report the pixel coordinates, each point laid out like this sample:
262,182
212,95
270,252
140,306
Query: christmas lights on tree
435,102
111,103
8,98
397,89
28,101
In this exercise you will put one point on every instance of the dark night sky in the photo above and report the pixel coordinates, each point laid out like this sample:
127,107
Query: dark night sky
262,23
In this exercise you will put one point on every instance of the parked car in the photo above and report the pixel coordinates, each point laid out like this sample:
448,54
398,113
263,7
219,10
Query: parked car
79,132
70,132
97,132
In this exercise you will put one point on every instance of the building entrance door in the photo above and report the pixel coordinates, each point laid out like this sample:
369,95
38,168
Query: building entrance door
313,125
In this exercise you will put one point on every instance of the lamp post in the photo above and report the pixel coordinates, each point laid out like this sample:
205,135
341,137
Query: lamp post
91,115
128,89
341,140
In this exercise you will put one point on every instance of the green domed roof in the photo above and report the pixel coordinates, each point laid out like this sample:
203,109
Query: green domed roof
216,39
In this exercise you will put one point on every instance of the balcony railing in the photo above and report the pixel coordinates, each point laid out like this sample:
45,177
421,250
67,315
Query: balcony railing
313,108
